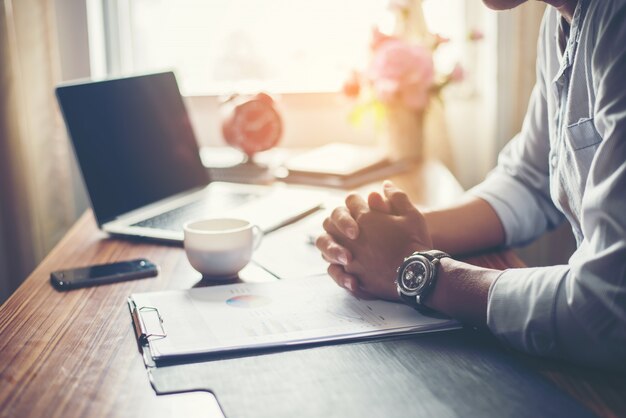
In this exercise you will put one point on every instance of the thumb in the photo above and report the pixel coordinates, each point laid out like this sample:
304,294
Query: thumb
379,203
398,199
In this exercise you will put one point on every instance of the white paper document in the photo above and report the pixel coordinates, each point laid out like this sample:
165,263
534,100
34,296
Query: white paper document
260,315
304,259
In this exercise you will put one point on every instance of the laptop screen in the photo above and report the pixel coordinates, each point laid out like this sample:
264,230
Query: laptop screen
133,141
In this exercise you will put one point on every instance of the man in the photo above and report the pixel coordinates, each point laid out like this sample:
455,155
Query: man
567,163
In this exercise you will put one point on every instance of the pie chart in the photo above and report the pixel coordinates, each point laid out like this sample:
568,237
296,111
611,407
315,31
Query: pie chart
248,301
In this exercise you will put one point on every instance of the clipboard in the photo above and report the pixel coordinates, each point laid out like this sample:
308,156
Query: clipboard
145,329
246,317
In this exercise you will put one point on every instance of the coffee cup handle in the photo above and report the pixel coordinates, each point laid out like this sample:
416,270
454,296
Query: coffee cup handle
257,232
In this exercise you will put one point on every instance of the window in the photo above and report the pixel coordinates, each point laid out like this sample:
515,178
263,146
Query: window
221,46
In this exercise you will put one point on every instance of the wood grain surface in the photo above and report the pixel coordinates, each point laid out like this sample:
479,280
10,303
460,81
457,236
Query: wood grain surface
74,354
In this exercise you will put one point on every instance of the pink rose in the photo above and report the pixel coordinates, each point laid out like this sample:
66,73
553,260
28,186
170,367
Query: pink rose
379,38
402,72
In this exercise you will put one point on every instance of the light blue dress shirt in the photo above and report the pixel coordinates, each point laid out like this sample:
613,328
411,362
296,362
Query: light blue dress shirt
568,162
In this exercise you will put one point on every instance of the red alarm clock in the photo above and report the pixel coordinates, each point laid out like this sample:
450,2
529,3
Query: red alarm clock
251,124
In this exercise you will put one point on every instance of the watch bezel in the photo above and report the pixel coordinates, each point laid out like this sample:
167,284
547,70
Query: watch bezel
428,268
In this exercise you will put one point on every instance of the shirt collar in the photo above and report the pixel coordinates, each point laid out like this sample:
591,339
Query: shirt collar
567,56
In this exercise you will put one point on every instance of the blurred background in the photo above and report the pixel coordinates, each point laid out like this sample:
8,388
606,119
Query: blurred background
299,50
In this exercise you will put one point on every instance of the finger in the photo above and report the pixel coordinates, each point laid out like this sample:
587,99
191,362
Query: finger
343,279
344,222
328,260
379,203
398,200
330,226
331,259
332,251
356,205
348,281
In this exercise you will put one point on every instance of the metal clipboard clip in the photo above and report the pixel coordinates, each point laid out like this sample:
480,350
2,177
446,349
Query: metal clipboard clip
147,322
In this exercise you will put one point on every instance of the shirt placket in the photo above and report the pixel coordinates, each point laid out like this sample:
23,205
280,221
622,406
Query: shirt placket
560,86
558,166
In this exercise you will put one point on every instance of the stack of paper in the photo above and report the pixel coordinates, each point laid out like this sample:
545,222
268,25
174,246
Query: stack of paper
261,315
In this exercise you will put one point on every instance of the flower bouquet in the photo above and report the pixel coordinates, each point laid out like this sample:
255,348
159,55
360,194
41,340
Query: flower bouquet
397,87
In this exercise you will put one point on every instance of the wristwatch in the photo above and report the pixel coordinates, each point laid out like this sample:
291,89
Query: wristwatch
416,277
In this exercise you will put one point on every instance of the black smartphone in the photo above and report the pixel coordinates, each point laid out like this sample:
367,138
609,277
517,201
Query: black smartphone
102,274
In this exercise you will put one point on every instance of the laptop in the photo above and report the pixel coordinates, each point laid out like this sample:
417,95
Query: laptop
141,164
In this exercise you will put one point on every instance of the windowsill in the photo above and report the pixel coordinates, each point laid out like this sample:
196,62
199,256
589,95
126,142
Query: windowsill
273,91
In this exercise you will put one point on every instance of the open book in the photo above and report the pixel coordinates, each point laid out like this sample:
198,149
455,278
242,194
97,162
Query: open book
249,316
342,165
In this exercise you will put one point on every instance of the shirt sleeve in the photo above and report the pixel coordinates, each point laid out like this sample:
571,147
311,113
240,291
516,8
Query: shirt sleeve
518,188
578,311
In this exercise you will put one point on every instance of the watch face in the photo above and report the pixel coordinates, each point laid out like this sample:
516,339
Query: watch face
414,277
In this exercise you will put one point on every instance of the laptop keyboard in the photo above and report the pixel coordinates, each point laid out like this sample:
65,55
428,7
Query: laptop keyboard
174,219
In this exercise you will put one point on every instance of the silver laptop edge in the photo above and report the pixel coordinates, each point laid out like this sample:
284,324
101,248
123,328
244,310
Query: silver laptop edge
302,202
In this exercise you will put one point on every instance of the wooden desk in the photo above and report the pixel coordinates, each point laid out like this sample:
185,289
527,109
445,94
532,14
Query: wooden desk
74,354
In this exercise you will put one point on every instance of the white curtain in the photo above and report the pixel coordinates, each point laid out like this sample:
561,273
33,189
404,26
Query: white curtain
517,35
36,197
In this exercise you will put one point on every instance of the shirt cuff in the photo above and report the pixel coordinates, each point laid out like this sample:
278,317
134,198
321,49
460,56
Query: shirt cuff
521,308
522,218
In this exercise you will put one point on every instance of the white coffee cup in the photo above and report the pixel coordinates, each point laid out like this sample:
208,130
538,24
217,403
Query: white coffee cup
220,247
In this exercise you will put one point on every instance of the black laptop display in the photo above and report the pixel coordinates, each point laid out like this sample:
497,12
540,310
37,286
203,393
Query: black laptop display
133,141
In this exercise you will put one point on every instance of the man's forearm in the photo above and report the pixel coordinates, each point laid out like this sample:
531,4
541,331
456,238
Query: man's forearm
462,291
470,226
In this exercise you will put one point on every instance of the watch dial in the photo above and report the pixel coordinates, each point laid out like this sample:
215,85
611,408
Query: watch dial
414,276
